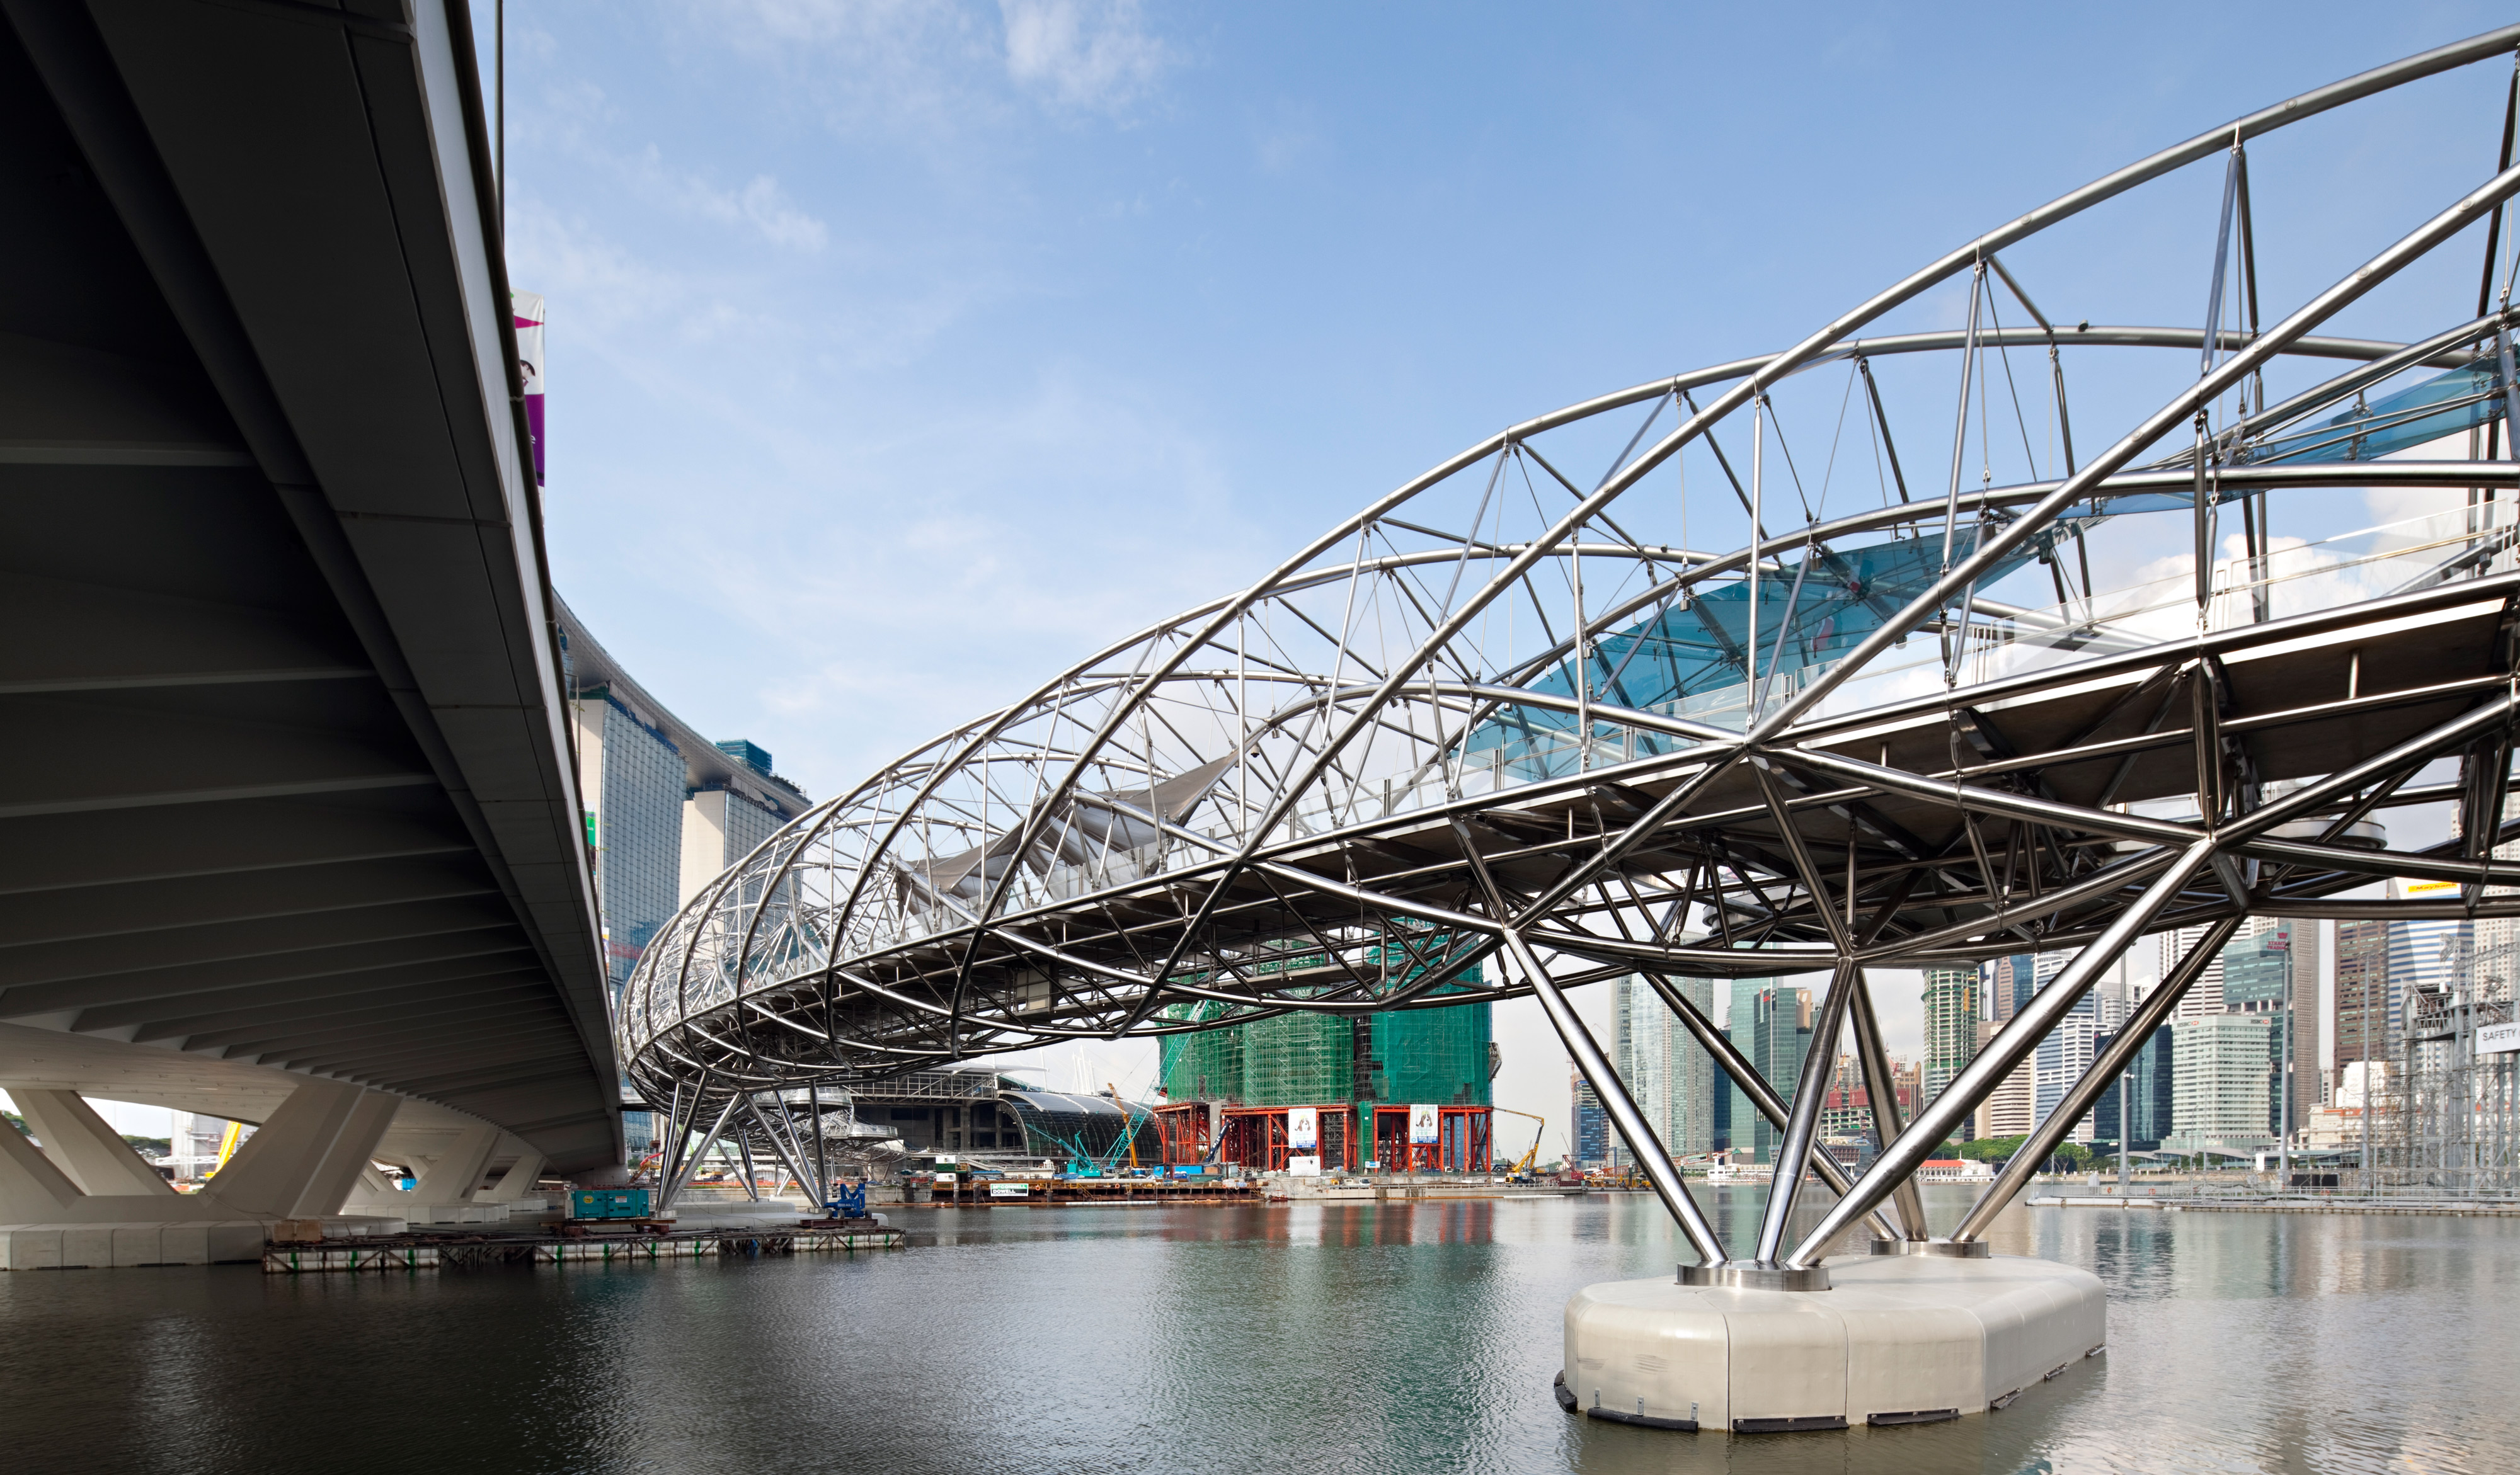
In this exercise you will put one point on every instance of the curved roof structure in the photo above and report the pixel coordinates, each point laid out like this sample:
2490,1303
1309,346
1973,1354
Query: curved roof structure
1641,685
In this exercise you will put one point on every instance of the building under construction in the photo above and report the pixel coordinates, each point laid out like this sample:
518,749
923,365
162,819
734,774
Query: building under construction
1399,1091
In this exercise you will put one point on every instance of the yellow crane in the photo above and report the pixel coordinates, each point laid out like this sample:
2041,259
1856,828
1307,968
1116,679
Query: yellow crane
1523,1165
1129,1124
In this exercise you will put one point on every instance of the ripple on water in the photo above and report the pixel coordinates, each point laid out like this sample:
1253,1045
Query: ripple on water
1341,1339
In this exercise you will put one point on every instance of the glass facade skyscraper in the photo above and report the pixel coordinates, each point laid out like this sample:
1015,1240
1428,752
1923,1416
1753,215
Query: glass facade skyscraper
2146,1085
1771,1026
2010,980
1672,1079
1590,1136
1953,1006
1645,1054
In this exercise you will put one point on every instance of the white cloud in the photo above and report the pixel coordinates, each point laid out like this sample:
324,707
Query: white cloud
1096,57
578,120
760,205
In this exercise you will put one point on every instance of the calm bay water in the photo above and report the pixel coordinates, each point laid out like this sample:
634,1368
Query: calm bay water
1342,1339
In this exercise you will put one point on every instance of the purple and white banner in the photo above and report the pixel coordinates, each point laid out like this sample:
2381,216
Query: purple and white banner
530,361
1303,1129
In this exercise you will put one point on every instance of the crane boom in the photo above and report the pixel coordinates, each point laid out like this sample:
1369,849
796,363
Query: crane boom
1540,1125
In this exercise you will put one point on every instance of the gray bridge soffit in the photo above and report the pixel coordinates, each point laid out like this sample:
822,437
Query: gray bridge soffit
288,778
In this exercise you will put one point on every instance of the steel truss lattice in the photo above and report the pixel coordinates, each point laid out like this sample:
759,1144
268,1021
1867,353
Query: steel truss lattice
1508,717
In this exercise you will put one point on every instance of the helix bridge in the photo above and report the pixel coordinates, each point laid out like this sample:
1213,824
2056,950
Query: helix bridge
1902,646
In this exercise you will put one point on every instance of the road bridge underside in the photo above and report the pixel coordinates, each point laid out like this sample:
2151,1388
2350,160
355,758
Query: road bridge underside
285,794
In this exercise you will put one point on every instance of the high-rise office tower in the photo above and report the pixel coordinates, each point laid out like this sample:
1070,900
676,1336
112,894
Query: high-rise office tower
2147,1085
1740,1026
1684,1116
2265,976
1954,1006
2222,1079
1590,1136
1771,1026
1641,1051
2039,1083
2010,980
2063,1055
2011,1109
2367,1006
2431,956
2204,995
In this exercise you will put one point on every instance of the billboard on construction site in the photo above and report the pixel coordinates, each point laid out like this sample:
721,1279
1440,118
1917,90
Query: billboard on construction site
1303,1129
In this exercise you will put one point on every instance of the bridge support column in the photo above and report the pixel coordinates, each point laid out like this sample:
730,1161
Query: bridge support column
87,1146
33,1189
519,1180
303,1162
457,1173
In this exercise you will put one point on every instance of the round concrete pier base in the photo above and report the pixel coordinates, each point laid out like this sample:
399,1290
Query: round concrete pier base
1896,1339
1751,1275
1951,1249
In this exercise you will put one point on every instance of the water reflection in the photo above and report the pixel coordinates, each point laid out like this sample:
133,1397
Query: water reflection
1339,1338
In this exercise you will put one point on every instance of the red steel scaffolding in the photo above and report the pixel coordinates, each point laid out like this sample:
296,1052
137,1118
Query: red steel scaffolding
1255,1138
1464,1140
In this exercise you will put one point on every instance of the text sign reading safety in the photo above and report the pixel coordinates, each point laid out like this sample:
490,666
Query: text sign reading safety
2496,1039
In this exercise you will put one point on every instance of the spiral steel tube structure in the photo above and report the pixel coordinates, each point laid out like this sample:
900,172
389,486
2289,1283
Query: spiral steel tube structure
1641,685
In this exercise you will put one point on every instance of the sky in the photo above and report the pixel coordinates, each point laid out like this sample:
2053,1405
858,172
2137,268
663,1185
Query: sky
900,353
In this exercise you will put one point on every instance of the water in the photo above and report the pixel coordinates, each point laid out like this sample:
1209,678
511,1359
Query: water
1341,1339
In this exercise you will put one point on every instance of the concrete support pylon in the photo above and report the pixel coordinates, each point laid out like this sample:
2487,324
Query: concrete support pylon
85,1144
32,1190
303,1162
457,1172
519,1180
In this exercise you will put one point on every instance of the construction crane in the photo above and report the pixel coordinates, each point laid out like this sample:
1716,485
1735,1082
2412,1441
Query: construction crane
1129,1129
1540,1125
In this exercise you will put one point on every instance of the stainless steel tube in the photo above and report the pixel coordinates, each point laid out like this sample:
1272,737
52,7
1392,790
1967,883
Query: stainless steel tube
1793,1154
2139,1029
1622,1108
1761,1096
2007,1050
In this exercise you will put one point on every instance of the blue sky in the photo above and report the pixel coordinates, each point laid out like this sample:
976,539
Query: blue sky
900,353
